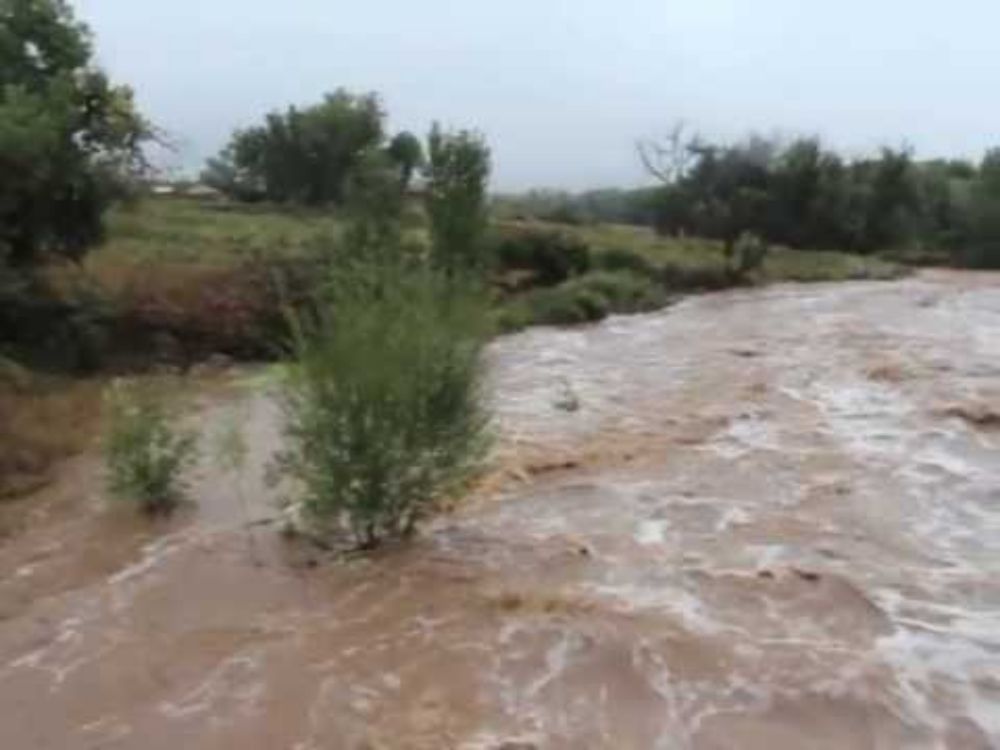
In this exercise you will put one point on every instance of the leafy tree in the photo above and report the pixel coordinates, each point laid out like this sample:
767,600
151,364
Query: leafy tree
728,189
982,243
407,154
457,174
304,156
69,139
797,194
893,200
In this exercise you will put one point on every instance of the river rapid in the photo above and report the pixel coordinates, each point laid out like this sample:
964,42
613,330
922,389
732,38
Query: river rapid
759,519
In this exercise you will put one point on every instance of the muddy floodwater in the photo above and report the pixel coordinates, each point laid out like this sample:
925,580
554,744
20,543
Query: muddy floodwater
759,519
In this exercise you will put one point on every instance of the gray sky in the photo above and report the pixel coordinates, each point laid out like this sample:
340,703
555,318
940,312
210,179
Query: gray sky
563,88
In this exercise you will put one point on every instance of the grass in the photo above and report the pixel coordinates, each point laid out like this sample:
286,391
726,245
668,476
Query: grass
177,230
43,420
784,264
697,258
582,299
146,453
183,279
633,270
203,272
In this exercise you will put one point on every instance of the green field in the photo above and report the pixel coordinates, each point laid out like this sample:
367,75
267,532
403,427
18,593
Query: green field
782,264
178,230
188,263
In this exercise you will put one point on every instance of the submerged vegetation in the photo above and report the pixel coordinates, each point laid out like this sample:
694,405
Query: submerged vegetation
383,403
146,453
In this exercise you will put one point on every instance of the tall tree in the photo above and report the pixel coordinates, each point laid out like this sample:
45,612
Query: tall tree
303,156
406,152
457,173
69,139
982,246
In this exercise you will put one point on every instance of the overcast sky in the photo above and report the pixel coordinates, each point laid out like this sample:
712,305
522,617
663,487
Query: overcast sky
563,88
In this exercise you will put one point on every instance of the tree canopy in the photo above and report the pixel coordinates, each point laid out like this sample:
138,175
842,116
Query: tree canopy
69,139
802,195
310,155
457,174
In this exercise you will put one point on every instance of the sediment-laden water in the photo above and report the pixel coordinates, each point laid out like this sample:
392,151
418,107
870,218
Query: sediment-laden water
759,519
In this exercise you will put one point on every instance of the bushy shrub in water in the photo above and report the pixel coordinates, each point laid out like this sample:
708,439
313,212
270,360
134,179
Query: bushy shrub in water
383,406
146,453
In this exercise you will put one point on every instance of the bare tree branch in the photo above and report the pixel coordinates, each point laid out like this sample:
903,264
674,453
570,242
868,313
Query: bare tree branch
669,159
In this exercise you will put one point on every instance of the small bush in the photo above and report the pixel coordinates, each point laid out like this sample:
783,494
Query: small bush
594,296
783,264
690,277
552,256
146,454
621,259
564,307
514,316
746,256
383,408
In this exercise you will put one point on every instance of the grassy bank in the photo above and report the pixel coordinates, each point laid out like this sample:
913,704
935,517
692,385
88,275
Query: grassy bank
42,420
695,259
625,269
184,278
180,231
183,230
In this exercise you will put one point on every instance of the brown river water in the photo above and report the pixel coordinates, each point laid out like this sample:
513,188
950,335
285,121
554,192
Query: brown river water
759,519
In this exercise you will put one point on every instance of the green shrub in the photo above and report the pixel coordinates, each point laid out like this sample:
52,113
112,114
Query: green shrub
51,327
690,277
146,454
563,307
594,296
457,173
745,256
513,316
552,256
622,259
383,409
624,291
71,142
